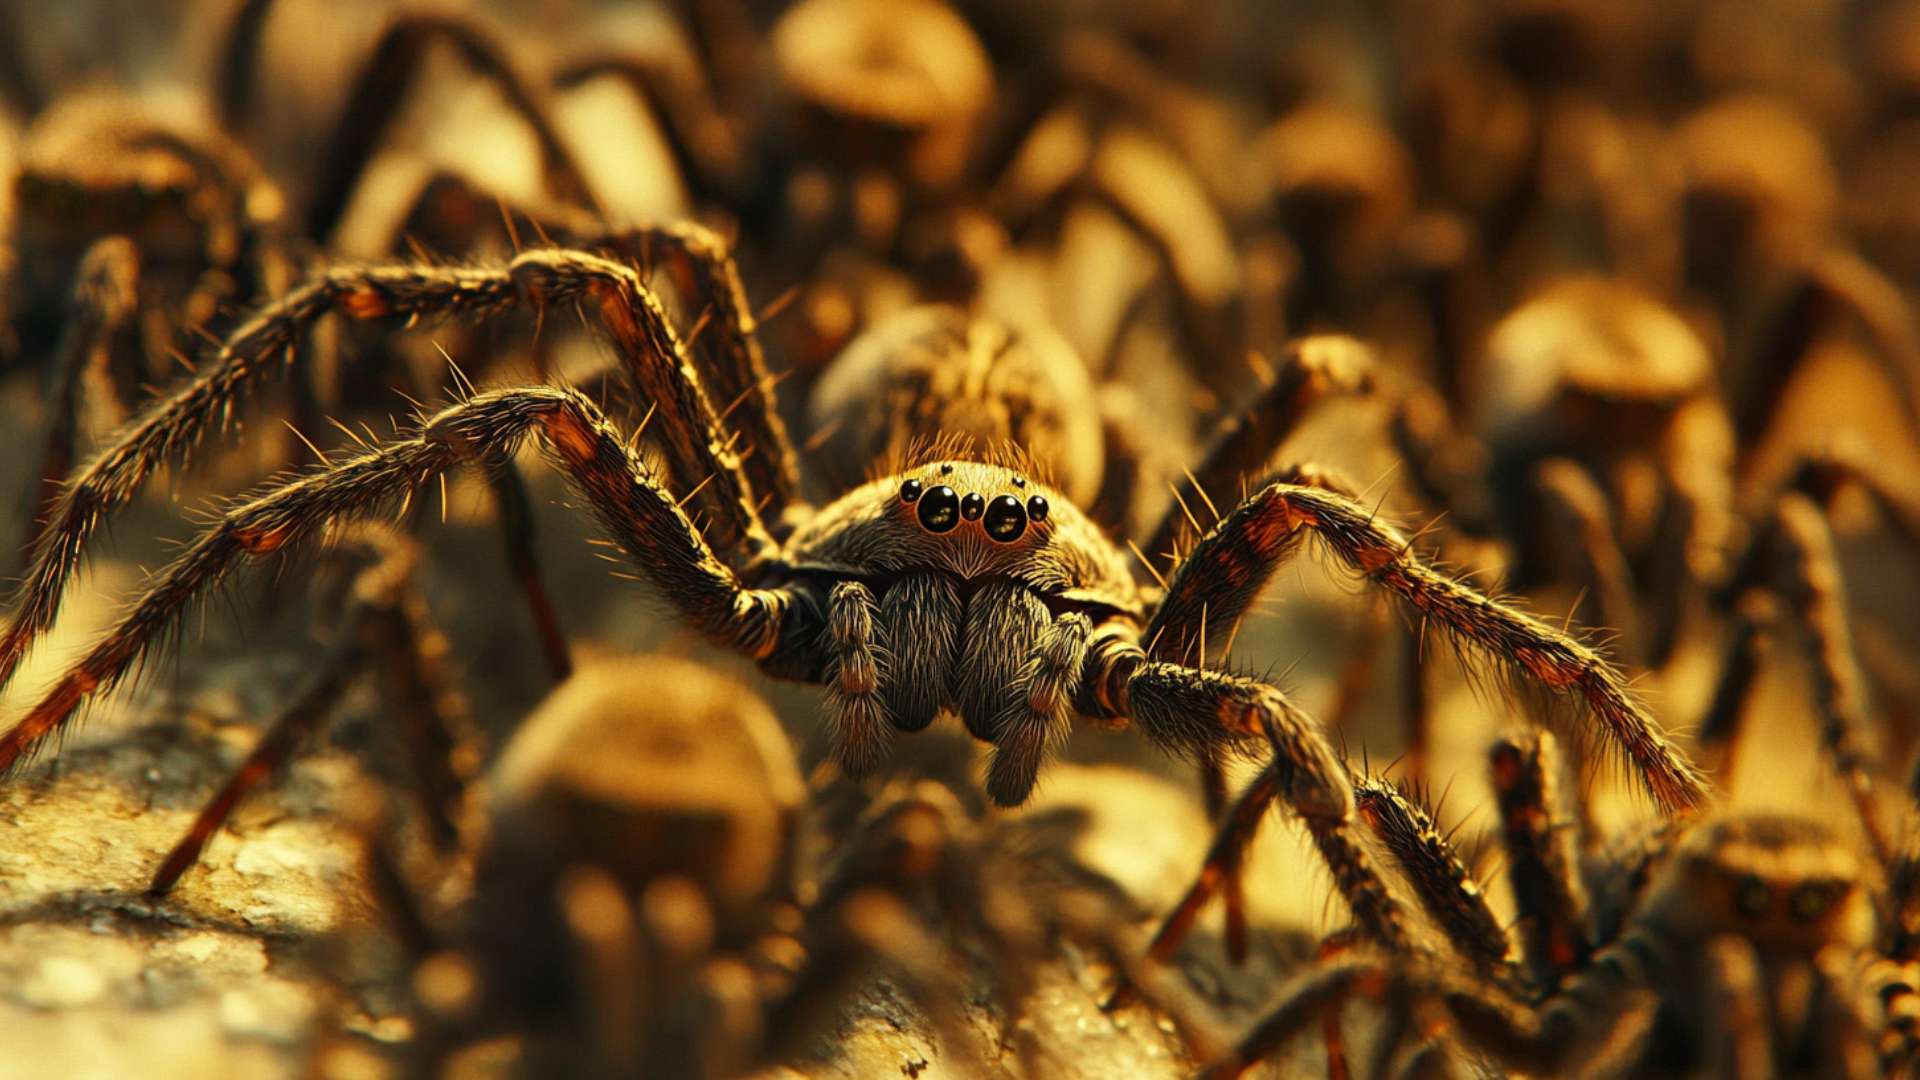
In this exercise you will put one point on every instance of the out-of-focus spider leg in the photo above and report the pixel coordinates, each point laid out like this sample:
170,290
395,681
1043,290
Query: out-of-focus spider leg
1824,475
1215,797
1311,370
1230,566
655,359
1575,503
1593,1009
1750,646
706,150
1446,891
382,87
1446,468
105,300
1897,984
1798,546
1355,877
386,625
1739,1023
1305,999
1356,679
1542,856
239,57
516,533
1837,288
643,518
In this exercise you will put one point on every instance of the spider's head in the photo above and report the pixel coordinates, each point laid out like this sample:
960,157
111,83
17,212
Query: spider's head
972,520
1789,885
1001,505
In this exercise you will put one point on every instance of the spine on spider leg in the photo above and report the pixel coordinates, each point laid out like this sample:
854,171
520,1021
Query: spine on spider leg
168,429
1551,659
1445,889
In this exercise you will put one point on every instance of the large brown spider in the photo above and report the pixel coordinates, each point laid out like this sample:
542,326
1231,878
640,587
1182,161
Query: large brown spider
962,584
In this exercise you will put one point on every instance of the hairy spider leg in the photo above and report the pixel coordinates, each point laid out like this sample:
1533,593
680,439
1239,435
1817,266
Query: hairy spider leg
1541,844
1441,882
642,517
1310,371
1227,570
701,460
726,350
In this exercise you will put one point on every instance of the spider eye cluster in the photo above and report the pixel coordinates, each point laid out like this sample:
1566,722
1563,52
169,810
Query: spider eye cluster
940,509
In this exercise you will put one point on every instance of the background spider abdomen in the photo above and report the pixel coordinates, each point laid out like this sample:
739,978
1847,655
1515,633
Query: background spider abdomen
920,613
1004,622
936,368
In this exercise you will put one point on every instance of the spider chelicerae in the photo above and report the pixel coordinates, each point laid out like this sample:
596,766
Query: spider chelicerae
961,583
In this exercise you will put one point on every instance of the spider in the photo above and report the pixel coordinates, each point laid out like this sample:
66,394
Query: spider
954,584
1746,943
644,898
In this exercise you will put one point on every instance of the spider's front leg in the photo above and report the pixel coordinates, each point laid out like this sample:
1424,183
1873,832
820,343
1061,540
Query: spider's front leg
1198,711
1228,569
699,452
635,508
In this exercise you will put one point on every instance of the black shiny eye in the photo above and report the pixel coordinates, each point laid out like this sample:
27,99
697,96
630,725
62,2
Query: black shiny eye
1752,897
973,505
1020,481
940,509
1037,508
1809,902
1006,519
947,469
910,491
